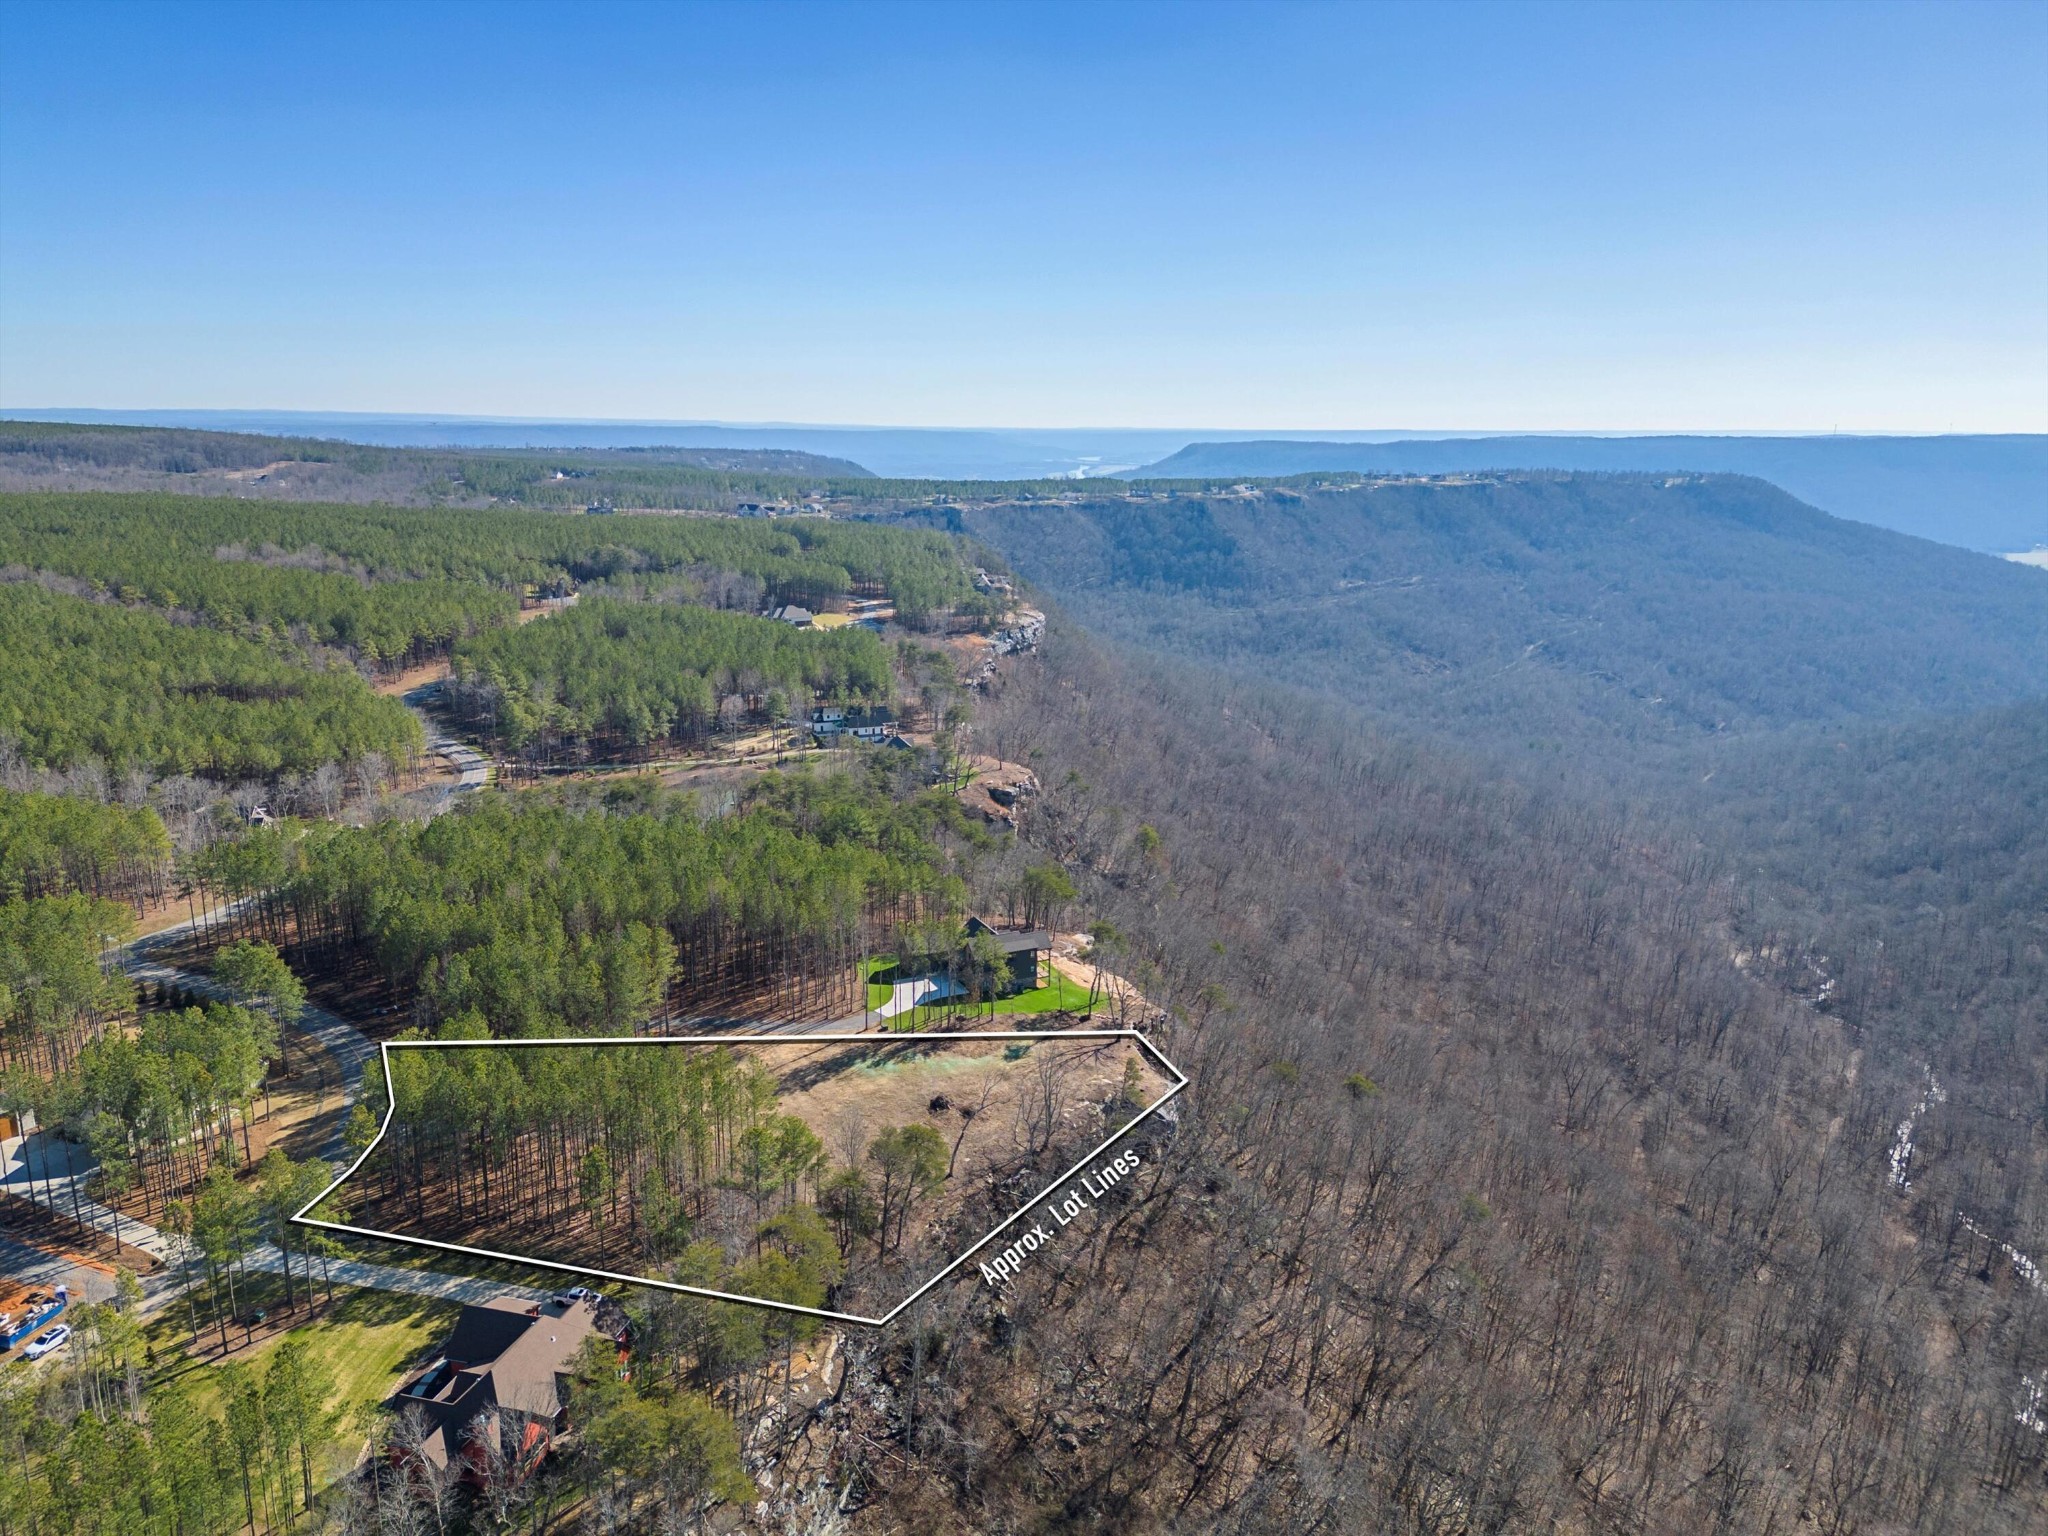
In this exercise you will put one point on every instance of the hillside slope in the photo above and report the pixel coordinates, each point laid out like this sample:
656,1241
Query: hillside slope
1913,859
1497,1132
1984,493
1523,610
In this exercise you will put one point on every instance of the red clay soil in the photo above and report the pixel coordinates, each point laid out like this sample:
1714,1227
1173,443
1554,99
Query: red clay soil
26,1222
392,684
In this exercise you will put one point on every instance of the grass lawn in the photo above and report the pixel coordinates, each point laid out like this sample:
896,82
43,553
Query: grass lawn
367,1339
1063,993
878,991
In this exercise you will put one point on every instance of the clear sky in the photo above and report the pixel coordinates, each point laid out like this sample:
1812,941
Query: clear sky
1624,217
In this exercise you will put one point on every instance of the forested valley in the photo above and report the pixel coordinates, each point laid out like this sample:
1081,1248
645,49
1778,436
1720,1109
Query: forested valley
1694,987
1600,916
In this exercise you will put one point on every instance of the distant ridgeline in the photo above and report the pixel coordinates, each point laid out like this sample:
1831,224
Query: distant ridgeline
1526,611
1984,493
66,456
190,635
558,477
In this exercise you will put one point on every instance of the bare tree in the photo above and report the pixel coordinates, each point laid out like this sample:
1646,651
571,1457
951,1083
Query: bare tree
969,1113
1042,1106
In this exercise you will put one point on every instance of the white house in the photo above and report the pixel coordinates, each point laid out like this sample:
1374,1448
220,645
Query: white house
829,720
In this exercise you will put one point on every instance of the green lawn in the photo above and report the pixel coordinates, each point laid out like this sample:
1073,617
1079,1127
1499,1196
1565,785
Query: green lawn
1061,994
367,1340
878,991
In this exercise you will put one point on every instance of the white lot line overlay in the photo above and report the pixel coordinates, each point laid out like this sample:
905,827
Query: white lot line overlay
1180,1081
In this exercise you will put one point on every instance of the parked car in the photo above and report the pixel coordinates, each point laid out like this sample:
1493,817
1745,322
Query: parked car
253,1318
574,1294
43,1343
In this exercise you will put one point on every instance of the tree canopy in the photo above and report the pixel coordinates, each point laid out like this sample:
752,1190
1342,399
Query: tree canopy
637,672
131,688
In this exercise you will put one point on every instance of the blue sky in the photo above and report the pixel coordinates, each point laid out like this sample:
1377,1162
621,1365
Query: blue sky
1299,216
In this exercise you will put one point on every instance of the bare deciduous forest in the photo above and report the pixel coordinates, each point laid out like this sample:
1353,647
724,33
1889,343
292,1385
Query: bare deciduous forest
1509,1197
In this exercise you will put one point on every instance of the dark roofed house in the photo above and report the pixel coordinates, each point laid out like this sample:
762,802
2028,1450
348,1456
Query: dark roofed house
793,613
1026,949
503,1373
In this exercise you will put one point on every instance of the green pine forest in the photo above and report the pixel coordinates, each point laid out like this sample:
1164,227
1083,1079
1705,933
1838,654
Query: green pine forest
131,688
541,916
173,662
378,576
630,674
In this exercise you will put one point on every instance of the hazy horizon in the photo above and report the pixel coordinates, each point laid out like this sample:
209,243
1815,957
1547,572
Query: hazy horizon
175,415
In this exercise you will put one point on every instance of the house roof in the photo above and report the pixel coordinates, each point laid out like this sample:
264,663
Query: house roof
1015,941
523,1377
485,1331
873,717
499,1355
